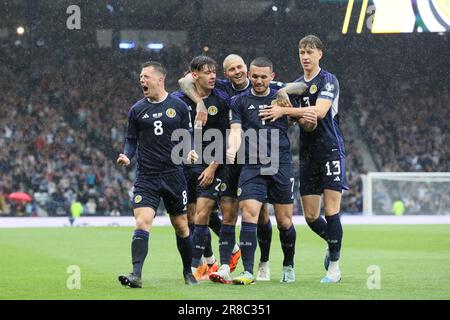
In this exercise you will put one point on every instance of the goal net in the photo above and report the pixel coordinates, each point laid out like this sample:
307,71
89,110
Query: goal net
408,193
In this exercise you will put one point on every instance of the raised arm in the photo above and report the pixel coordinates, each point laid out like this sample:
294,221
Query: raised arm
188,87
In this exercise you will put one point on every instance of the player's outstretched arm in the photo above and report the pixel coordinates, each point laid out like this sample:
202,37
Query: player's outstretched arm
295,88
187,86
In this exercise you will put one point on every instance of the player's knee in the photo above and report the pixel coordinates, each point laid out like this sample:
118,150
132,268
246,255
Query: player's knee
249,215
284,222
143,223
229,219
181,230
331,209
202,216
229,216
310,216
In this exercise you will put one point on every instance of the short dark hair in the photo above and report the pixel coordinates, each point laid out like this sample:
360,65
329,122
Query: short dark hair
156,65
199,62
262,62
311,41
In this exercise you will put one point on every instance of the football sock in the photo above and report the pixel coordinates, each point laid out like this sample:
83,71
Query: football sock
191,229
139,250
334,236
208,247
227,241
185,246
215,222
200,238
320,227
287,239
264,233
248,242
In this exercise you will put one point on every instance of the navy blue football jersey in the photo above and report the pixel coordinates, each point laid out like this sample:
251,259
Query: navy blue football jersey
217,105
151,125
326,138
245,109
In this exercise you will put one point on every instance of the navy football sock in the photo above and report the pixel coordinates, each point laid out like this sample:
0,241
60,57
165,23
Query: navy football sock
208,247
334,236
227,239
320,227
139,250
191,229
200,238
185,247
287,239
215,222
248,242
264,240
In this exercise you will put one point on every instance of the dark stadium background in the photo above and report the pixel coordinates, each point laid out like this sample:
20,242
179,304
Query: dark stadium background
64,99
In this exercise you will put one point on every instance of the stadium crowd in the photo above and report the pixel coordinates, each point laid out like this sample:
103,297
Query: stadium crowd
63,118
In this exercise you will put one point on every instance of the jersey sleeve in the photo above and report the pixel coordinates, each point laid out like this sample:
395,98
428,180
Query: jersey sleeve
132,129
329,88
235,111
277,85
222,84
132,135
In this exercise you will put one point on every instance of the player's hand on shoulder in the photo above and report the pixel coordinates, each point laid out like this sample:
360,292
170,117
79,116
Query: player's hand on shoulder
272,112
282,99
123,160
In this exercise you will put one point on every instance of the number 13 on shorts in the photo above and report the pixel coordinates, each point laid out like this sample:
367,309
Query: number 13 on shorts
333,168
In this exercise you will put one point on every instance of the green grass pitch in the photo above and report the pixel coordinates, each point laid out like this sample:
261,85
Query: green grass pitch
414,263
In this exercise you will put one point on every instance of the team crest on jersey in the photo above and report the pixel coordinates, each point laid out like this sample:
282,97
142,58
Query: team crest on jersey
313,89
239,191
171,113
137,199
223,187
212,110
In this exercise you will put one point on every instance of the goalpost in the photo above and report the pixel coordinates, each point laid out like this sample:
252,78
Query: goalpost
420,193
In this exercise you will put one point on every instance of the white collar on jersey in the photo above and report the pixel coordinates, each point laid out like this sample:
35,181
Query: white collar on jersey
245,88
165,97
320,69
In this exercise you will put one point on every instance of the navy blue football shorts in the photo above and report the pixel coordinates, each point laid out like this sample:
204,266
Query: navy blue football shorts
195,190
317,175
171,187
275,189
230,179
